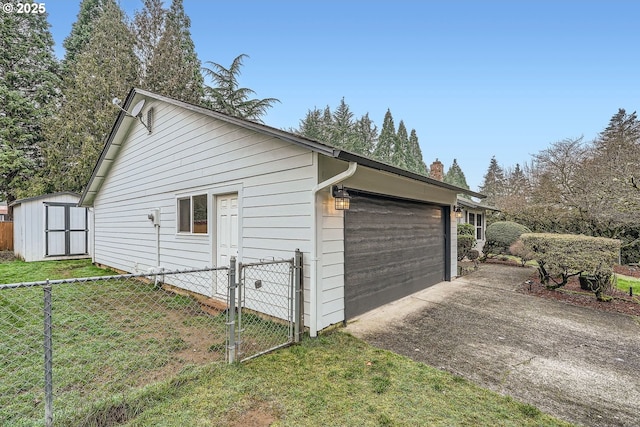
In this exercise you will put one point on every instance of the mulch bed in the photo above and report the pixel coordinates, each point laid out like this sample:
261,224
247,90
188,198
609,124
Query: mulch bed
572,294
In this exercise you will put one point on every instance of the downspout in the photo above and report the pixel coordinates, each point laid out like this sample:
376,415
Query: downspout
313,286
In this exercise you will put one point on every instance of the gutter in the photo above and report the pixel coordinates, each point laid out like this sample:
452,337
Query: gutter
313,287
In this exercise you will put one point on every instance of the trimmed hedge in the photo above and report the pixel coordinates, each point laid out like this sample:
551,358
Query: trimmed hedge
501,235
565,255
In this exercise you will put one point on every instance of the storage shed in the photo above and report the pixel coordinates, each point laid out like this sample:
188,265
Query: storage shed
50,227
193,187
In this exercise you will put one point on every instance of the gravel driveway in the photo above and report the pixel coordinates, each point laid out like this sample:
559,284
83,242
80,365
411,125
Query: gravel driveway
579,364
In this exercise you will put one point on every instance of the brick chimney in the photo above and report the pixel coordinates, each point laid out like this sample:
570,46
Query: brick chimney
436,171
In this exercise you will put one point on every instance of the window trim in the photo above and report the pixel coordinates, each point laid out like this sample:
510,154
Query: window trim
190,198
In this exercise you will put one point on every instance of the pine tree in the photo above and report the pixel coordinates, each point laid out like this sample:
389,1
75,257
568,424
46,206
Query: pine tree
342,131
623,131
455,176
312,126
29,92
148,27
517,183
366,135
174,68
105,69
385,149
494,183
227,97
401,152
81,30
416,162
606,177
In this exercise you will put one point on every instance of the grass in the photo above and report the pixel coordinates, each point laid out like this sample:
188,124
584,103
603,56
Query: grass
20,271
115,368
625,282
334,380
109,337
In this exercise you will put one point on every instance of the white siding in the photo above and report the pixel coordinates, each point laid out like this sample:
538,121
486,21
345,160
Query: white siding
332,265
189,153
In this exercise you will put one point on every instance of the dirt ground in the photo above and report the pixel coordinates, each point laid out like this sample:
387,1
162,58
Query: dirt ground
577,363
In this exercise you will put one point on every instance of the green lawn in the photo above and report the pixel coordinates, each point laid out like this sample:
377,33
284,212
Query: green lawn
625,282
332,380
20,271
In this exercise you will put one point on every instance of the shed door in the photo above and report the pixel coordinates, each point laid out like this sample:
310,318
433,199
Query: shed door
393,248
66,231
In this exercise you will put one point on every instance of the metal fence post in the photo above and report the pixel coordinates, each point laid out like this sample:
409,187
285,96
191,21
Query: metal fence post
48,358
297,296
231,339
239,310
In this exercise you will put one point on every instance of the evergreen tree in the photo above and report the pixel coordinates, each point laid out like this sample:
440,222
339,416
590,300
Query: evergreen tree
385,149
342,130
366,135
105,69
174,68
623,131
29,92
227,97
455,176
416,162
494,183
148,27
401,152
605,178
312,126
517,182
81,30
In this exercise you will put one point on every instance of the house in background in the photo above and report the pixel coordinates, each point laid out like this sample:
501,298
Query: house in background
50,227
467,211
474,213
190,187
4,212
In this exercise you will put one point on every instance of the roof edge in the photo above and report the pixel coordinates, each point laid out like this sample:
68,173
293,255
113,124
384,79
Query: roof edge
365,161
310,144
43,196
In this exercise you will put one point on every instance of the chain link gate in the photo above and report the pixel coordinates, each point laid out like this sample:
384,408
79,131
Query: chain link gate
106,337
264,307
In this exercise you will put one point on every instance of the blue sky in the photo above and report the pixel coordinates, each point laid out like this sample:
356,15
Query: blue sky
475,79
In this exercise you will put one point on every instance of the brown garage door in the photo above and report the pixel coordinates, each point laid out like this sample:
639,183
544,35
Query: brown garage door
393,248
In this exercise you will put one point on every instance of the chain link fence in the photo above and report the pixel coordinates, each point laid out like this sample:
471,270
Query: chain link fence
268,311
72,349
104,337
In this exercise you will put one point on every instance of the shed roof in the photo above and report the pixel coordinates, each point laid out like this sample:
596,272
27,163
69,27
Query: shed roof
115,140
43,196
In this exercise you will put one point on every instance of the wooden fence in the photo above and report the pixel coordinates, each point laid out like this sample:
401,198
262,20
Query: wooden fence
6,236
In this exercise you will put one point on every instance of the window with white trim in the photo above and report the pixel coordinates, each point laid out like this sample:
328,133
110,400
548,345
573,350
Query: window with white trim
476,219
192,214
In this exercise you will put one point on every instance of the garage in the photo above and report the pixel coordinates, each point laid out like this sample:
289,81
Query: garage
393,248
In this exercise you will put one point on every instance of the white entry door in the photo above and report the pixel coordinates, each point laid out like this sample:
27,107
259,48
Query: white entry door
227,227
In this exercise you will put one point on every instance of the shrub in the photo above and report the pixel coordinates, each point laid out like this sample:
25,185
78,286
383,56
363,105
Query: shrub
466,229
561,256
501,235
521,251
466,240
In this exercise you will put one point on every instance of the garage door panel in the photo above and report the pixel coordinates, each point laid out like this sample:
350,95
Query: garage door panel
392,248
